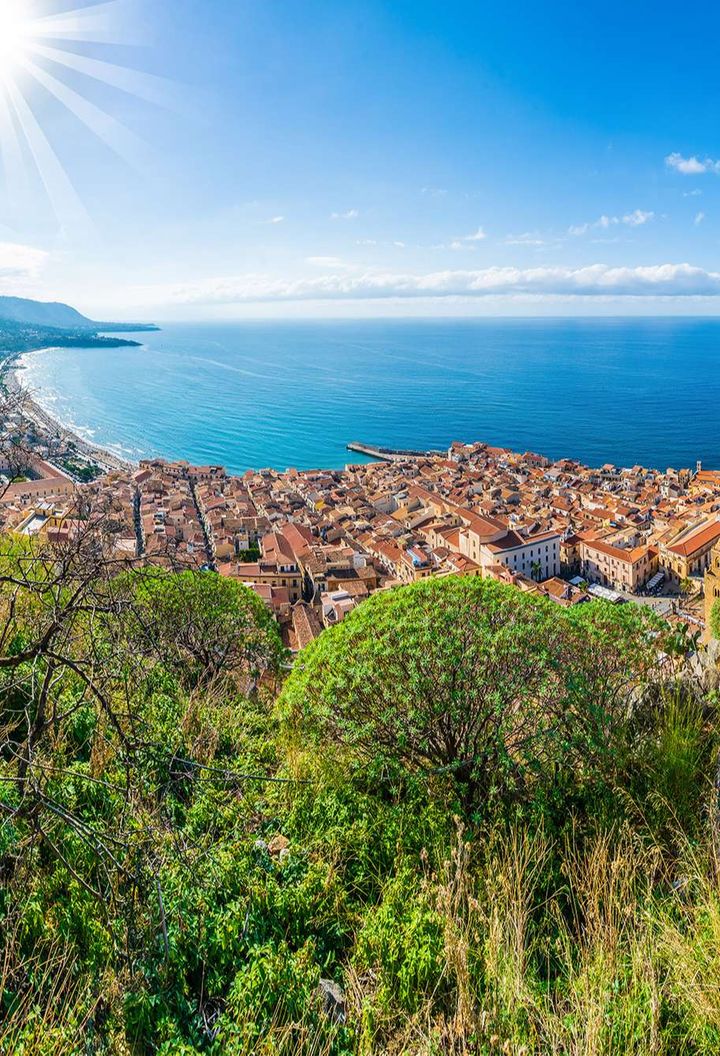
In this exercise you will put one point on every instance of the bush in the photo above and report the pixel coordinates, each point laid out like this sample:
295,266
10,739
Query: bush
469,678
203,626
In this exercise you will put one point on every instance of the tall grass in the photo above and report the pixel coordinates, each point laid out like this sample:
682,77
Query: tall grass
612,960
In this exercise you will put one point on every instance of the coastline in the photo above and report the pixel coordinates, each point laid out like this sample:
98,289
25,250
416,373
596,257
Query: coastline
107,461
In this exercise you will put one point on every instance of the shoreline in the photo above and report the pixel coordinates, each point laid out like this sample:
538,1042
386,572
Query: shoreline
107,461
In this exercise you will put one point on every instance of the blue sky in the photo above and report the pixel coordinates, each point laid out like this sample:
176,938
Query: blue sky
369,158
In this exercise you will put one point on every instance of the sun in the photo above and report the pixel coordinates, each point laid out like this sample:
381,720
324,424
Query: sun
52,54
15,31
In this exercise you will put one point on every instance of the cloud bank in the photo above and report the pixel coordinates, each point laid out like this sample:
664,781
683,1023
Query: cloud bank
656,280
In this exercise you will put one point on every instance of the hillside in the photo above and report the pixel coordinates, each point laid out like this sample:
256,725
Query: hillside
59,316
467,823
26,326
18,337
41,313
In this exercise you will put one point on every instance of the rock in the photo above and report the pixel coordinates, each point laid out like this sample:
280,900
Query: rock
333,1000
284,853
260,845
278,844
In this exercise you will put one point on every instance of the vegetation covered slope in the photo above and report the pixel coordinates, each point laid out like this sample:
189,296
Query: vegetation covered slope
491,822
16,338
29,325
42,313
55,315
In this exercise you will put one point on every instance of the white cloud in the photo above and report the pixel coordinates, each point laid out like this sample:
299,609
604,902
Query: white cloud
397,243
433,192
657,280
350,214
477,236
694,193
463,241
699,217
692,166
273,220
19,262
527,238
636,218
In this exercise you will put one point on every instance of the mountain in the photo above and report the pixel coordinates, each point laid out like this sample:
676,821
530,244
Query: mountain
57,315
42,313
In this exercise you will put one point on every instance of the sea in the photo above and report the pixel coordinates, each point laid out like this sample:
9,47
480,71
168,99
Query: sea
294,394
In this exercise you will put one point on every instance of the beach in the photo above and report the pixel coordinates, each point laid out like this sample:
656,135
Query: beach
107,461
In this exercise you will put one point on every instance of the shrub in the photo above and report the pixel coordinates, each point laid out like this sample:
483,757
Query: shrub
470,678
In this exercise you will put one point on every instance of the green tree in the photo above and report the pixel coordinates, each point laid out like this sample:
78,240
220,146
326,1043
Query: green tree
203,626
474,678
686,587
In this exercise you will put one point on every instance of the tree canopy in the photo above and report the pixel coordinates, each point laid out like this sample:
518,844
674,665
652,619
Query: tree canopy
203,626
471,677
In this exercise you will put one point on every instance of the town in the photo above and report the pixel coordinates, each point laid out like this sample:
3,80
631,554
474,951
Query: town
314,544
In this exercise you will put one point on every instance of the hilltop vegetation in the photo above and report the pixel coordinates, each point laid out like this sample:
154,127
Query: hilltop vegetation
16,338
27,325
56,316
43,313
490,822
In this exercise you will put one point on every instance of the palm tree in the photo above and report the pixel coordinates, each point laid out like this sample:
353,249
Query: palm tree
686,586
535,570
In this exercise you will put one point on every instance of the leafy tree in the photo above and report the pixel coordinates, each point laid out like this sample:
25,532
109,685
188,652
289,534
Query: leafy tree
250,555
203,626
686,587
474,678
680,642
147,904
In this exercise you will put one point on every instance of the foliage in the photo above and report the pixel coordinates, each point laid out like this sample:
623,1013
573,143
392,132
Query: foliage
715,619
251,554
556,894
464,676
203,626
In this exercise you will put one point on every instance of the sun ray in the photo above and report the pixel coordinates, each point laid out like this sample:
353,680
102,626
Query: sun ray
45,54
119,138
145,86
89,25
13,163
63,197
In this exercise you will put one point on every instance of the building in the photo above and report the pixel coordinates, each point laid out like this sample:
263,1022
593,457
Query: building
535,556
335,606
622,568
689,552
256,573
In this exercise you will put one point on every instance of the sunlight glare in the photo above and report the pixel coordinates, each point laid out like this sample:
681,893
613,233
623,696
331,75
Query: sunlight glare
47,56
15,25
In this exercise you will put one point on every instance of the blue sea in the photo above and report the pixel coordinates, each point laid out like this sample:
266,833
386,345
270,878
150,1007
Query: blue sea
251,395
